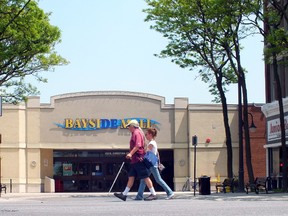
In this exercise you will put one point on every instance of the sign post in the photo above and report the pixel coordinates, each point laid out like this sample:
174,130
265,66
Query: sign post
194,143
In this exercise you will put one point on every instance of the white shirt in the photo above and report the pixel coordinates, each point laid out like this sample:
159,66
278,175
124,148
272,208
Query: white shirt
154,147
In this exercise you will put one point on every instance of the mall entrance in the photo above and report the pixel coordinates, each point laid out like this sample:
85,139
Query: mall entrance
95,171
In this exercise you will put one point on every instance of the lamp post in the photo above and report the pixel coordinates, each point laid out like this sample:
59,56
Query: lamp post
252,127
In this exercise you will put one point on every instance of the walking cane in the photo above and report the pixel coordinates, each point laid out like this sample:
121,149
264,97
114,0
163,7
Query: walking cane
116,177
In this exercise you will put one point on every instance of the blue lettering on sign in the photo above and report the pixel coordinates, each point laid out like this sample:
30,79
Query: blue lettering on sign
84,124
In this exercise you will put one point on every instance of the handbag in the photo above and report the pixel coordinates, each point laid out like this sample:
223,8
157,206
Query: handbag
150,159
161,167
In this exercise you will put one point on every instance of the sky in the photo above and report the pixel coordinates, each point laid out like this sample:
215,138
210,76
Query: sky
111,48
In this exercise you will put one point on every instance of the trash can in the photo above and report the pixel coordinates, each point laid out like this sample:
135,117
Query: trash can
204,185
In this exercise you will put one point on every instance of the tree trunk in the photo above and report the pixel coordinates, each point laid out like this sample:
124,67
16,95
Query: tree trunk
282,123
227,129
246,131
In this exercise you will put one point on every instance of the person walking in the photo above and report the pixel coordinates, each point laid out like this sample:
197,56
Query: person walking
151,134
137,168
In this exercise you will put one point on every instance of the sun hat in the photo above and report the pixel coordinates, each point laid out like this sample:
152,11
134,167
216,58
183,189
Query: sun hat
133,122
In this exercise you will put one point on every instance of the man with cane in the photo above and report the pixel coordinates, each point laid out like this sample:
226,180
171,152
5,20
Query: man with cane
136,155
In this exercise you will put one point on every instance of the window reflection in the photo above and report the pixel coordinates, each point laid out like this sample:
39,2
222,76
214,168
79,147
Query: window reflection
97,169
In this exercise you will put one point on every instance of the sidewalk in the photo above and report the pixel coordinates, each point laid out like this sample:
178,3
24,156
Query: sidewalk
185,203
161,195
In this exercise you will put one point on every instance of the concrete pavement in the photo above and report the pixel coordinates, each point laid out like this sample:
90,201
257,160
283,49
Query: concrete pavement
185,203
161,195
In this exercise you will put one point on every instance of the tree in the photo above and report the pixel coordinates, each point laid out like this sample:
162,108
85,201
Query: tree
276,39
205,35
27,42
236,30
273,13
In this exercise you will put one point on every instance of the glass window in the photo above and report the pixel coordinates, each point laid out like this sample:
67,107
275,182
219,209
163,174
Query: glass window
97,169
98,185
70,185
84,169
57,169
109,169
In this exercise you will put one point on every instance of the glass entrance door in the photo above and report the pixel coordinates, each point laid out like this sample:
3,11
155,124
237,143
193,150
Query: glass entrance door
93,171
84,177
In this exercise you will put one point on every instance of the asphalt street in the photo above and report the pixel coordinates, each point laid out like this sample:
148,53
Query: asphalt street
184,203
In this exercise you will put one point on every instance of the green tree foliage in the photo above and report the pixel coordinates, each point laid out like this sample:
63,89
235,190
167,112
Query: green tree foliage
205,35
193,30
27,42
274,16
276,40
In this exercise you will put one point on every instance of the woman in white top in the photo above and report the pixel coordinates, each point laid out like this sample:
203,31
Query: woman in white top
150,135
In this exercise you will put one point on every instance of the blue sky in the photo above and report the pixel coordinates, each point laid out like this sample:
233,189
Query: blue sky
110,48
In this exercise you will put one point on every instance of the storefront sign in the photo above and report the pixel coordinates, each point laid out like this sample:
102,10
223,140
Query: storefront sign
85,124
67,169
274,130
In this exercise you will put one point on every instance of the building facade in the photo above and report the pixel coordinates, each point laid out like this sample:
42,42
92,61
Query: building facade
274,157
79,140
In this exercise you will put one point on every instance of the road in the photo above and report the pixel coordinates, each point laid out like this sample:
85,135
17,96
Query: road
106,204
